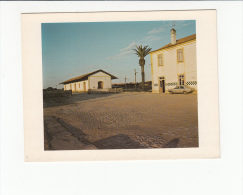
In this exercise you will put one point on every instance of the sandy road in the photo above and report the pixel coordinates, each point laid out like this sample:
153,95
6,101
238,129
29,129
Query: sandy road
128,120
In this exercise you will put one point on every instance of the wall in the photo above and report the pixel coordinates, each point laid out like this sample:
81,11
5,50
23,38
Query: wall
79,86
100,76
171,68
91,83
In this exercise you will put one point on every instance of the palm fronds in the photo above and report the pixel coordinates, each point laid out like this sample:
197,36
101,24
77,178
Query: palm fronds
142,51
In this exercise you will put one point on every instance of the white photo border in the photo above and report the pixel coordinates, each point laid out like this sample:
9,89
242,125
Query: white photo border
207,70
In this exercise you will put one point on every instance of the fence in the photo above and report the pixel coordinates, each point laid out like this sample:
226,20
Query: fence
102,91
139,89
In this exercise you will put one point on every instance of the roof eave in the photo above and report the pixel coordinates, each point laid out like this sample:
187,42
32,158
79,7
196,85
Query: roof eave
170,46
86,77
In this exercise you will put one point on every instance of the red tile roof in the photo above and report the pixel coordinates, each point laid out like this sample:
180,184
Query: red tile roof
85,77
183,40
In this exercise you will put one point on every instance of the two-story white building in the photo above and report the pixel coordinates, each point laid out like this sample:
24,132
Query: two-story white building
174,64
98,79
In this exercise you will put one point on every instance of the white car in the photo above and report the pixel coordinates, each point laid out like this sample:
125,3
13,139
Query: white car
181,89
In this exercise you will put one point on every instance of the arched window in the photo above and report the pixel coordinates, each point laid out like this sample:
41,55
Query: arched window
100,85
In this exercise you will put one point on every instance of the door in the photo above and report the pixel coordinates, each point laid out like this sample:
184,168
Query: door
181,79
84,84
162,86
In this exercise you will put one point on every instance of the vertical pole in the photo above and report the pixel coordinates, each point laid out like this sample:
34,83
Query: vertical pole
135,78
125,82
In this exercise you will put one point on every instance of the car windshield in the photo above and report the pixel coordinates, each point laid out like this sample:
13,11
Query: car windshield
176,87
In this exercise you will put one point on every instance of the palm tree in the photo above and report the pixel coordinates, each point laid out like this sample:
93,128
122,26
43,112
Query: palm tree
142,52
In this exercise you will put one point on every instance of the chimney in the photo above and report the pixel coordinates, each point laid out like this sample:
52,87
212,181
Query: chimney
173,36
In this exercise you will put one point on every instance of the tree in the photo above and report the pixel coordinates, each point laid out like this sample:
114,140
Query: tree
49,88
141,53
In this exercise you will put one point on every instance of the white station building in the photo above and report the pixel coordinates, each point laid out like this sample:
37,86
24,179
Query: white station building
98,79
174,64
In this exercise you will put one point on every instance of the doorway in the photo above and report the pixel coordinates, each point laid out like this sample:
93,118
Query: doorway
181,79
100,85
162,85
84,86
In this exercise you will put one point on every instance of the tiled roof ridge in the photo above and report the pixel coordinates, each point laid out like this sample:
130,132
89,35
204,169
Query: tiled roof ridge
86,75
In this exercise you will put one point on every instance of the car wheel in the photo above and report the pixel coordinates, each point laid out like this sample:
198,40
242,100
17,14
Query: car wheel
185,93
171,92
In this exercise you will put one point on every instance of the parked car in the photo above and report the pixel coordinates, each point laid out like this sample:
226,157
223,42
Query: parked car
181,89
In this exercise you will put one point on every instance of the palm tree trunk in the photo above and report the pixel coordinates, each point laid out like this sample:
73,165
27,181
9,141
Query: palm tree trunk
142,63
143,79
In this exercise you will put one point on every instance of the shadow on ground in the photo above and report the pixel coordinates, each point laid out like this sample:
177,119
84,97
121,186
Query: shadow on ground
119,141
62,136
172,144
61,101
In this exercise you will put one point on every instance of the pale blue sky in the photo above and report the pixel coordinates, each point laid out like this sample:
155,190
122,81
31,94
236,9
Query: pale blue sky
74,49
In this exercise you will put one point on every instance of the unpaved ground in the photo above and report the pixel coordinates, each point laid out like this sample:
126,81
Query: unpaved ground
127,120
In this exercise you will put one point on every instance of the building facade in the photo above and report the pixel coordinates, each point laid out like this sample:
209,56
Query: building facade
174,64
95,80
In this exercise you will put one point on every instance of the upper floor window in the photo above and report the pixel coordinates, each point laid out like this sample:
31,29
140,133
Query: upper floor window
180,55
160,60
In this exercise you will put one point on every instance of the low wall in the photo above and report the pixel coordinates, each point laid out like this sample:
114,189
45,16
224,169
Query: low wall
146,89
57,93
101,91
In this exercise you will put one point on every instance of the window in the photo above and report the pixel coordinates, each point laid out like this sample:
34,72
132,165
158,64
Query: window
181,79
160,60
180,55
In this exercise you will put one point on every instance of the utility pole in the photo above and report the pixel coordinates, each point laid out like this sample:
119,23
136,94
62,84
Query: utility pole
135,78
125,81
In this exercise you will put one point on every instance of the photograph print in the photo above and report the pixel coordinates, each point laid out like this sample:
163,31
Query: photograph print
120,85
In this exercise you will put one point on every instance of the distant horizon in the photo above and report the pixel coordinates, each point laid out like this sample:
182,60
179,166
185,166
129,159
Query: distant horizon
74,49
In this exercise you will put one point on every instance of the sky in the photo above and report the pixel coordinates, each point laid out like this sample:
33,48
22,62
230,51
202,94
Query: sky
73,49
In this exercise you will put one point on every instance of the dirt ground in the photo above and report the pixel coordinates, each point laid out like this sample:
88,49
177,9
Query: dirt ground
121,121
